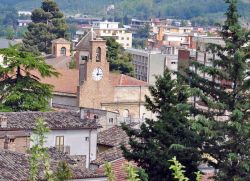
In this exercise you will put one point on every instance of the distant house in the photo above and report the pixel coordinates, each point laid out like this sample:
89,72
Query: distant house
23,23
69,133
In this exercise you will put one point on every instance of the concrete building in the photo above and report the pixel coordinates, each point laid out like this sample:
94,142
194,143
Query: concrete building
148,63
111,29
23,23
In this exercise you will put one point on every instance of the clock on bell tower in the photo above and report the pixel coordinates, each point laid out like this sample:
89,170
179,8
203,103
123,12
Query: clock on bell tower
94,84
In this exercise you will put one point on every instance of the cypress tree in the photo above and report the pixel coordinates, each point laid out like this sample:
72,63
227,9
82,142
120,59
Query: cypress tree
170,135
48,23
223,121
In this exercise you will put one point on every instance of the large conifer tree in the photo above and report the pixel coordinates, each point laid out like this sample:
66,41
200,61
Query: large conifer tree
47,24
170,135
223,100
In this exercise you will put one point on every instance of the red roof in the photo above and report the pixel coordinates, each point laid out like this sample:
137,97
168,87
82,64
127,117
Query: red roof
68,80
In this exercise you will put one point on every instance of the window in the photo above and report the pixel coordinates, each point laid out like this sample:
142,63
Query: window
12,140
98,54
111,120
84,58
127,38
86,138
126,113
63,51
122,38
60,143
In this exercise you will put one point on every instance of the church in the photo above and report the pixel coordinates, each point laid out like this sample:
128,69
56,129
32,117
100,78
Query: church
92,86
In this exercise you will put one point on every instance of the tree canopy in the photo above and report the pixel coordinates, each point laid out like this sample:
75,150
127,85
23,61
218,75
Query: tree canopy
47,24
170,135
222,99
20,86
119,60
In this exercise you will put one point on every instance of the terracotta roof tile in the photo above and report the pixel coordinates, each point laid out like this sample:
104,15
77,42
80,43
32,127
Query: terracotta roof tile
68,81
55,120
15,167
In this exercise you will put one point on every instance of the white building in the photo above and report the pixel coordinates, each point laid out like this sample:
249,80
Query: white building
111,29
149,63
68,132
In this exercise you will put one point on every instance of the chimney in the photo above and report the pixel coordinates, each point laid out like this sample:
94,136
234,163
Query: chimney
9,143
3,121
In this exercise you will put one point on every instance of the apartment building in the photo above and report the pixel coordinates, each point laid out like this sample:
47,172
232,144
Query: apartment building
149,63
112,29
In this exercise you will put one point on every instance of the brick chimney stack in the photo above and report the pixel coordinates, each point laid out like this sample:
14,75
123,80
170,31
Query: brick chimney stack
9,143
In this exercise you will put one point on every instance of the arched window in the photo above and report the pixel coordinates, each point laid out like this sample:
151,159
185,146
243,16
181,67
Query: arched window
126,113
98,54
63,51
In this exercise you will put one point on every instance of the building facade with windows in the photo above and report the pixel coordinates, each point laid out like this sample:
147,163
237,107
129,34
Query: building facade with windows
149,63
112,29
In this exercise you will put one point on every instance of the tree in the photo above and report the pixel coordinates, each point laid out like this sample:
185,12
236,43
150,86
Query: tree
63,171
20,88
225,124
109,172
119,60
39,153
178,171
48,24
170,135
132,173
10,33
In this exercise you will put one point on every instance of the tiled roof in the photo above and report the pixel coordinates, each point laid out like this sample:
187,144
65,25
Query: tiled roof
55,120
15,167
112,137
84,43
61,62
68,80
125,80
108,156
21,133
60,40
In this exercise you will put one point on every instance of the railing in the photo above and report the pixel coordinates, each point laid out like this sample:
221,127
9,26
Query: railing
64,149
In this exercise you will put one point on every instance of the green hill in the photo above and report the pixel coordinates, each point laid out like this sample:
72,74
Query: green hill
186,9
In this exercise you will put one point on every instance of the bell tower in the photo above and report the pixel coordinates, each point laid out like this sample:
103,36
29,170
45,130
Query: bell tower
94,84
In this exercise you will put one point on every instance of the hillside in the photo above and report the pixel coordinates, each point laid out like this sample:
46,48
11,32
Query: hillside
140,8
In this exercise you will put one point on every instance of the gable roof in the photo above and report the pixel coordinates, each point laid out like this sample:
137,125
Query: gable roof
61,40
15,166
84,43
125,80
55,120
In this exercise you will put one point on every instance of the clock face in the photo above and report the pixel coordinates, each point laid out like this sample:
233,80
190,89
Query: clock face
97,74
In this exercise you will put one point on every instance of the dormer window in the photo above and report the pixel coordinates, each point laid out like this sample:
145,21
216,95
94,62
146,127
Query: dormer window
98,54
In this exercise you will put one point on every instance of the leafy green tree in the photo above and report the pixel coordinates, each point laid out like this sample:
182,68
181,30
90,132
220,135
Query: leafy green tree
20,88
63,171
132,173
109,172
39,153
170,135
119,60
225,124
144,32
178,171
48,24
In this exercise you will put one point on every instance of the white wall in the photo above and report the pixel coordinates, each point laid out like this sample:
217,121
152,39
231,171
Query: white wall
76,139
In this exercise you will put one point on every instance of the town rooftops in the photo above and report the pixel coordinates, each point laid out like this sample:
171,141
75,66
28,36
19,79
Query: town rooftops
55,120
61,40
15,166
